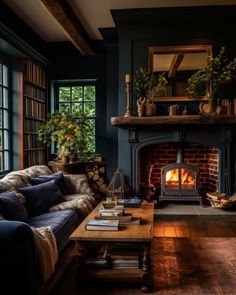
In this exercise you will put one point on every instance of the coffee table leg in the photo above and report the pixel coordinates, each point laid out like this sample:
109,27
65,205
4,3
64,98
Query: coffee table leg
147,282
80,268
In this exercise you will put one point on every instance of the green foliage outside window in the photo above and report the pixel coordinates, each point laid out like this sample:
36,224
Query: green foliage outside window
80,102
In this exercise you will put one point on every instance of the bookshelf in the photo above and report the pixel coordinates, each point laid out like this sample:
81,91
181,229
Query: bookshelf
34,112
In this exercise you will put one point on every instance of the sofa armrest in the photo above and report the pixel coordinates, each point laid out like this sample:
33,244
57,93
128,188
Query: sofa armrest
78,184
17,258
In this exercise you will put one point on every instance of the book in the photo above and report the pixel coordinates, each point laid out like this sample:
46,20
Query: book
133,220
99,259
125,217
130,203
94,224
119,210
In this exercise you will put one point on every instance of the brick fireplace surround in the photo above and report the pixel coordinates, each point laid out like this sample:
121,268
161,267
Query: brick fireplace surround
204,156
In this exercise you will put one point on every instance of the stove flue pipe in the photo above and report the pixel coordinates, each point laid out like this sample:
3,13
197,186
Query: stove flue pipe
180,154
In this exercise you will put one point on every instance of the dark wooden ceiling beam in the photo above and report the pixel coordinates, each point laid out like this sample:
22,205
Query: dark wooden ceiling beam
63,14
176,61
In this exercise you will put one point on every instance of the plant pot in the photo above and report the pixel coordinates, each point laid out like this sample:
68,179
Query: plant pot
150,109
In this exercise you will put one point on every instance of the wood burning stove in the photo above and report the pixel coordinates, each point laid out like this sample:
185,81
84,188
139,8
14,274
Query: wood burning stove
180,181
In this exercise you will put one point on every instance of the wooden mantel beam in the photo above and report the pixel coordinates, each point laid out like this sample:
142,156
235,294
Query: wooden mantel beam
63,14
176,61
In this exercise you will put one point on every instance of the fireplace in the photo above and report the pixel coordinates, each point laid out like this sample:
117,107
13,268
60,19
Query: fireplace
180,181
209,147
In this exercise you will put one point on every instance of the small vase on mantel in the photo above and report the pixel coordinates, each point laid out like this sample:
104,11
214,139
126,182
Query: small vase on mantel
211,100
219,108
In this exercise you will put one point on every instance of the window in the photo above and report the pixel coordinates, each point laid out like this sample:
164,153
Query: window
80,100
4,118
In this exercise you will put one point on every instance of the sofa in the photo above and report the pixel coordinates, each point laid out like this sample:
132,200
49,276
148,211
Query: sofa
38,212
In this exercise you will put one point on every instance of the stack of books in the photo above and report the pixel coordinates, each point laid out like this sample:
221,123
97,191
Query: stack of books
95,224
117,214
99,259
122,256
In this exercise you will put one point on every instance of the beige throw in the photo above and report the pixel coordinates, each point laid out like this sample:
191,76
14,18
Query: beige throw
47,250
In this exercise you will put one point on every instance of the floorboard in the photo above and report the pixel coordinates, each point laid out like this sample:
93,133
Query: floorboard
189,256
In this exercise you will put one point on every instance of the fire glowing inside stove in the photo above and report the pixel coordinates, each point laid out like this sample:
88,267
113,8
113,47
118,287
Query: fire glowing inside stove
183,177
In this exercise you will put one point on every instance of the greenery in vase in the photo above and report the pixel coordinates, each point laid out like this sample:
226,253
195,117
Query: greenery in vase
217,71
67,131
144,82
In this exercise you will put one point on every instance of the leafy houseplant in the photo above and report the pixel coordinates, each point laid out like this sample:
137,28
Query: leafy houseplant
217,72
66,131
144,83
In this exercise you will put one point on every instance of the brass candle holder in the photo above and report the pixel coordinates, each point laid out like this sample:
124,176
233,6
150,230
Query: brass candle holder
128,87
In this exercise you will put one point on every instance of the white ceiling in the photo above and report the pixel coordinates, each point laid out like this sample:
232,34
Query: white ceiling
93,14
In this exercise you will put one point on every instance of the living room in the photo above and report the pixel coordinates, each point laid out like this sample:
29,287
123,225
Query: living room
79,68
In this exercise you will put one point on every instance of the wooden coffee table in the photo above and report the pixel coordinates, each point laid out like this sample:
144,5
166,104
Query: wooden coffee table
139,236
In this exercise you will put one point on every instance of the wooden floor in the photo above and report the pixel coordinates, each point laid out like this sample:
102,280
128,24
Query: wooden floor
195,228
189,257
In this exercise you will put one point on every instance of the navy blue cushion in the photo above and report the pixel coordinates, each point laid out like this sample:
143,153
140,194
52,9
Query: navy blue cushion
11,208
58,177
62,223
41,197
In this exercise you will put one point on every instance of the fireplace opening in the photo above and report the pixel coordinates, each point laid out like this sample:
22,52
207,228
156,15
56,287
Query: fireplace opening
193,170
180,181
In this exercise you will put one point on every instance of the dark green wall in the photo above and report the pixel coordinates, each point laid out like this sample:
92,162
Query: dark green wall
67,64
138,29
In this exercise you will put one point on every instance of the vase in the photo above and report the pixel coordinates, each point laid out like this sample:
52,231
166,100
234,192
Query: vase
219,109
150,108
211,100
141,106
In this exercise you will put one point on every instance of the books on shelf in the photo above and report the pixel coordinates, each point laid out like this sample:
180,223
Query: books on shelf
130,203
99,259
95,224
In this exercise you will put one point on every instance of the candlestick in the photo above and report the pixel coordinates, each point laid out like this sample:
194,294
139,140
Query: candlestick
128,78
128,86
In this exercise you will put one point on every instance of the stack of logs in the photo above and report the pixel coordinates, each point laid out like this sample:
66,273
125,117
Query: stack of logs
221,200
96,177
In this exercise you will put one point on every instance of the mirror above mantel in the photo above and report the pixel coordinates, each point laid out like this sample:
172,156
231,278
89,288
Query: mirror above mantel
176,64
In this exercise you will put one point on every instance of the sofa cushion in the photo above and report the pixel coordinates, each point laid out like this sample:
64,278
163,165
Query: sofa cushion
61,222
58,177
81,202
41,197
11,208
36,170
78,184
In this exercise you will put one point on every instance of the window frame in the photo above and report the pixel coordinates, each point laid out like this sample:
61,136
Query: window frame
78,83
4,61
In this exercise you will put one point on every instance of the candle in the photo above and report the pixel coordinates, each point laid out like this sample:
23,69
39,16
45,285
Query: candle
128,78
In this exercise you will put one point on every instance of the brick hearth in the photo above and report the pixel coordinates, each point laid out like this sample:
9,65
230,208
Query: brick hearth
205,156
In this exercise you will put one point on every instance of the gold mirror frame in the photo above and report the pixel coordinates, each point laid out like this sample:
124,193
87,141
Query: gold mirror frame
178,53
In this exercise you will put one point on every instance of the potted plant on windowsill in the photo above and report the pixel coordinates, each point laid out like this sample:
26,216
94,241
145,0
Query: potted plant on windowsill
67,132
217,72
